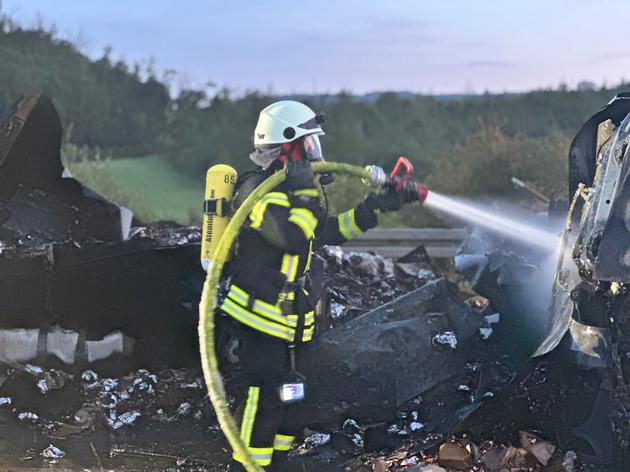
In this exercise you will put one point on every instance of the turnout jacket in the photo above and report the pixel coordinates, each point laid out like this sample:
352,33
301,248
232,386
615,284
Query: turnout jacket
267,289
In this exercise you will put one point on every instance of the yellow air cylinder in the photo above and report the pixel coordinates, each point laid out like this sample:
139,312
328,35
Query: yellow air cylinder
220,181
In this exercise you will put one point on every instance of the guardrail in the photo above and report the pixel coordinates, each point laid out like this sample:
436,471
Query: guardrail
439,242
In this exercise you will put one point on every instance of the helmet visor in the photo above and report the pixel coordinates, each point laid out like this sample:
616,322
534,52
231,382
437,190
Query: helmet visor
313,123
313,148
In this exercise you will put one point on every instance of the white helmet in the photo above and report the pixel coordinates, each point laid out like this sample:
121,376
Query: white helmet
285,121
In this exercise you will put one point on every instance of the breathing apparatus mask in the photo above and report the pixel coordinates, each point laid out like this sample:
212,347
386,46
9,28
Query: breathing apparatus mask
307,148
313,153
313,148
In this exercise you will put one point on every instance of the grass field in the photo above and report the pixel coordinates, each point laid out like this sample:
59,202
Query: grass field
149,185
155,191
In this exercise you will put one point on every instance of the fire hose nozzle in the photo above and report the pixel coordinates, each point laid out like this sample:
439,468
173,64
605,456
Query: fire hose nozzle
419,191
422,191
380,178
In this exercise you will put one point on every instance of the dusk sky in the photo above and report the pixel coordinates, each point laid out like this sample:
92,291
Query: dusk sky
358,45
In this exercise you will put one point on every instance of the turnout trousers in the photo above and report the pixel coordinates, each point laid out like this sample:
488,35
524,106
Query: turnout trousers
267,426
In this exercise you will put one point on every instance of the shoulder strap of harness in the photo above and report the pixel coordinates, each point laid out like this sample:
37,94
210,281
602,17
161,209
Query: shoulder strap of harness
246,184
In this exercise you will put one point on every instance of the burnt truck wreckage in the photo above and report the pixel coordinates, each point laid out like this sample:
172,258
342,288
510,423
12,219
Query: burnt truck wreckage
84,285
577,332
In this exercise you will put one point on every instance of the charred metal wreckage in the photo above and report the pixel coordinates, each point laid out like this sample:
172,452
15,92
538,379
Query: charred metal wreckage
77,280
578,331
590,299
83,283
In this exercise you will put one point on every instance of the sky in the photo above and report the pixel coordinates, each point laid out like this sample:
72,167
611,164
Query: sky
324,46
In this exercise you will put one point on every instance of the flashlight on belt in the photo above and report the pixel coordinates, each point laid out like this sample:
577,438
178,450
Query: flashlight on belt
293,388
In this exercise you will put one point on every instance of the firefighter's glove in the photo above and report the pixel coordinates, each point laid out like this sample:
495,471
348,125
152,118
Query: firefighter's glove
389,200
299,175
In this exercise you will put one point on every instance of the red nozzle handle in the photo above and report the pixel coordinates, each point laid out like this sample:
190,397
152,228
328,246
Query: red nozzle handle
401,180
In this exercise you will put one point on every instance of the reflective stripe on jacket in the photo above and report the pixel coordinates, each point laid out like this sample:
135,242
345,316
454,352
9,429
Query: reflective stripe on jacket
273,253
268,319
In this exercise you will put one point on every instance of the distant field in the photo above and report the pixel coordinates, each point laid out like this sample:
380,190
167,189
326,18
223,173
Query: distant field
149,185
155,191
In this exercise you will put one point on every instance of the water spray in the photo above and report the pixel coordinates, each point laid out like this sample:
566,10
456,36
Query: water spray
504,225
400,180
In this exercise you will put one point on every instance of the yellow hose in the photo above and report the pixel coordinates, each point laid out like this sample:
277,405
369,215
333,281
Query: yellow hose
208,304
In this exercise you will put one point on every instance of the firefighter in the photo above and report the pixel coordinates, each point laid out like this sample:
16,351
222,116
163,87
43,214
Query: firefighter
267,301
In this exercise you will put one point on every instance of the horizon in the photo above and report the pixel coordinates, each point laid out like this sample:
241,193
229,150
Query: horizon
407,48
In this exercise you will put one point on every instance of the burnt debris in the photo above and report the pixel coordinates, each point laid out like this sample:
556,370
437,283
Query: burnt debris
70,262
39,203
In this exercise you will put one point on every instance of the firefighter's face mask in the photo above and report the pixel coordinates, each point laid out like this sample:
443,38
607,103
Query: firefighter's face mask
313,148
313,153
